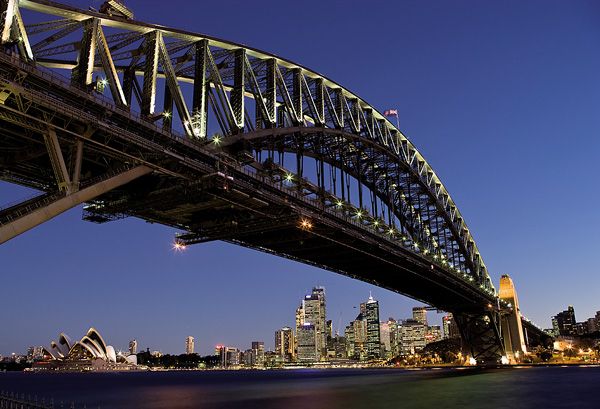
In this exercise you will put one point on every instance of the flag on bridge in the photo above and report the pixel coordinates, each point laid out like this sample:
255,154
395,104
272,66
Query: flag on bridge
391,112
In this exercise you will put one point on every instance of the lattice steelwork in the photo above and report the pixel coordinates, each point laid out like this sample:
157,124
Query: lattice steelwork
247,111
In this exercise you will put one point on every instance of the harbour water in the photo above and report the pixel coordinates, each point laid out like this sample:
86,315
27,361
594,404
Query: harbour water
538,387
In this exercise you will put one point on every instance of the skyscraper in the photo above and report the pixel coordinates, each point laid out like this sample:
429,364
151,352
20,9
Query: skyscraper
420,315
189,345
411,337
313,308
450,330
373,329
307,349
284,344
258,353
359,331
565,321
133,345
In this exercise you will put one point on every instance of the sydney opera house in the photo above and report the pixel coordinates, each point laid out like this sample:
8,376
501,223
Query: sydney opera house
90,353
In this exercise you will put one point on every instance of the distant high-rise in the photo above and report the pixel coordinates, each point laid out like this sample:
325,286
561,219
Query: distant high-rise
359,331
373,329
313,311
189,345
307,348
420,315
411,337
386,344
565,322
258,353
449,327
133,345
284,344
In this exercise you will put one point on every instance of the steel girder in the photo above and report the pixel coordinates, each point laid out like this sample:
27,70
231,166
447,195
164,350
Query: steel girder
284,94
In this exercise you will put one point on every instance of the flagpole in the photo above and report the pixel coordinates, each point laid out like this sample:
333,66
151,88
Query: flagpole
397,120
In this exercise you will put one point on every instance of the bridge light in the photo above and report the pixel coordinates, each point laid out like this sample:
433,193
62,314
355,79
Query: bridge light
289,177
216,139
339,203
179,246
167,114
376,223
306,224
104,81
359,214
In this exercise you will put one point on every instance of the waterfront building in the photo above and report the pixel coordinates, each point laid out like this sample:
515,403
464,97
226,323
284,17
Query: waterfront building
433,334
258,353
313,307
284,344
35,353
420,315
307,348
373,329
246,358
450,329
411,337
89,353
229,356
336,347
189,345
597,318
133,346
393,328
359,329
386,345
349,335
565,322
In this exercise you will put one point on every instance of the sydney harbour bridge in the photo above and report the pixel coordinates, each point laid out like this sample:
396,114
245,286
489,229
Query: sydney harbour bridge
226,142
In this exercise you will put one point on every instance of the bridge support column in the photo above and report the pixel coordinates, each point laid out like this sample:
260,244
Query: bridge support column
512,328
480,332
42,211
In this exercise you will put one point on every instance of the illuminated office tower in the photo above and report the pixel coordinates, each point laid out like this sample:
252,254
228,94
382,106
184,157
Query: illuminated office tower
313,307
133,345
307,348
284,344
258,353
420,315
189,345
373,329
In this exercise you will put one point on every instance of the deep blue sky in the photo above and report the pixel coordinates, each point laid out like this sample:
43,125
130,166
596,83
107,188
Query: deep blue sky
502,98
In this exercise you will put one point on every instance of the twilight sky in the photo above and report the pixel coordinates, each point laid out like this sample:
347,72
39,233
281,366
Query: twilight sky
502,98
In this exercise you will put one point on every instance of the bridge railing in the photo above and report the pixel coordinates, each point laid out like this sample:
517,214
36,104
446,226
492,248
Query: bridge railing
11,400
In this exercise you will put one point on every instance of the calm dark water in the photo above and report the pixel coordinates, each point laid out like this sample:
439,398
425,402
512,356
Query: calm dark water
540,388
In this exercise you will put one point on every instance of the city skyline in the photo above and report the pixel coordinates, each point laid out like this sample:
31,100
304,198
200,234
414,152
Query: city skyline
145,281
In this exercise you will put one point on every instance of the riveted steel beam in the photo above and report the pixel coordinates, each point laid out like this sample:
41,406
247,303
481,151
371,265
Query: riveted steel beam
271,90
57,160
83,72
47,211
199,105
259,99
297,93
150,73
109,67
7,14
237,93
173,85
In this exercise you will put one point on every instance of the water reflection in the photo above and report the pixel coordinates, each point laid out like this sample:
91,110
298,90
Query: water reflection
315,389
